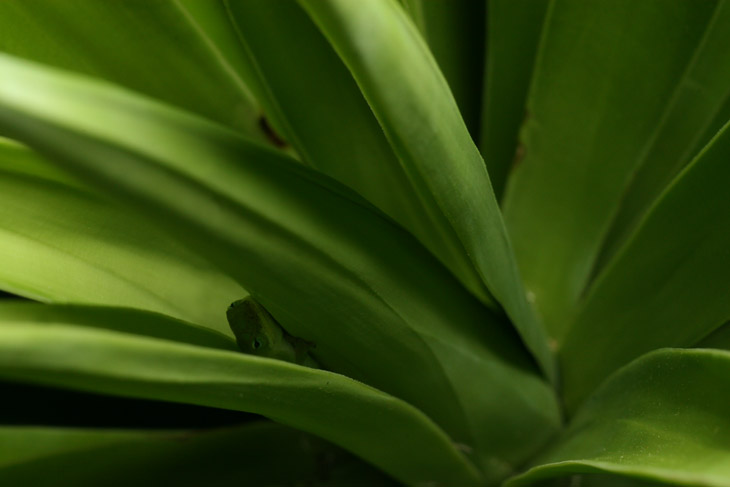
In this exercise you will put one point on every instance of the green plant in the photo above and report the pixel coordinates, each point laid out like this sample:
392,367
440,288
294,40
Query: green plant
311,152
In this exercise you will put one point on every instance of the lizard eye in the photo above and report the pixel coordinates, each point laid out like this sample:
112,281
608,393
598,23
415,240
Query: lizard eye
260,342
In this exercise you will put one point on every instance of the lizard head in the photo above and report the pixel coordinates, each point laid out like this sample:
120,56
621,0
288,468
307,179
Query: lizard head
253,326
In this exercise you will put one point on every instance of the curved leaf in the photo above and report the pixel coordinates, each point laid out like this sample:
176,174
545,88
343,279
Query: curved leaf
328,267
602,82
661,418
61,243
263,453
667,287
179,51
381,429
411,99
125,320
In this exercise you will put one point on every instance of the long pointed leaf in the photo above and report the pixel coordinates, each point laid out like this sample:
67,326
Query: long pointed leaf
602,82
667,287
688,123
310,95
331,269
413,104
381,429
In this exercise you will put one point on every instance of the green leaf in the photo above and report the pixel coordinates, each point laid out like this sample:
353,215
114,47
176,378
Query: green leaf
667,287
261,454
125,320
693,116
411,99
179,51
603,80
383,430
17,159
719,338
513,33
455,32
296,73
69,245
661,418
328,267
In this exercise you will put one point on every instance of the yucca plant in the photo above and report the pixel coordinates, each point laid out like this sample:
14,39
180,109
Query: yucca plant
492,238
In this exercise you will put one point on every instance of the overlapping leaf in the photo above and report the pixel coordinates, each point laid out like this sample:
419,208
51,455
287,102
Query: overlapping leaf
331,269
602,93
61,243
667,287
377,427
261,453
698,108
412,101
719,338
455,32
180,51
126,320
310,96
513,32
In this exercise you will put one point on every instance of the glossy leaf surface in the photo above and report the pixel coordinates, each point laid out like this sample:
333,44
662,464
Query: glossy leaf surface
662,418
330,405
411,99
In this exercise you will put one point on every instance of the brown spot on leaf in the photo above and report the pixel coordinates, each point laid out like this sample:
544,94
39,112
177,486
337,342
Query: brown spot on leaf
270,133
519,155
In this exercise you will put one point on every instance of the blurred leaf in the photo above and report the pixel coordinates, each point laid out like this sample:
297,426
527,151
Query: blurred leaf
513,34
179,51
668,285
662,418
719,338
693,116
604,76
331,269
69,245
262,454
125,320
455,31
412,101
381,429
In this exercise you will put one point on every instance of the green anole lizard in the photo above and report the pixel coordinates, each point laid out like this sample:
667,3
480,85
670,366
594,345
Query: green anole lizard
258,333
